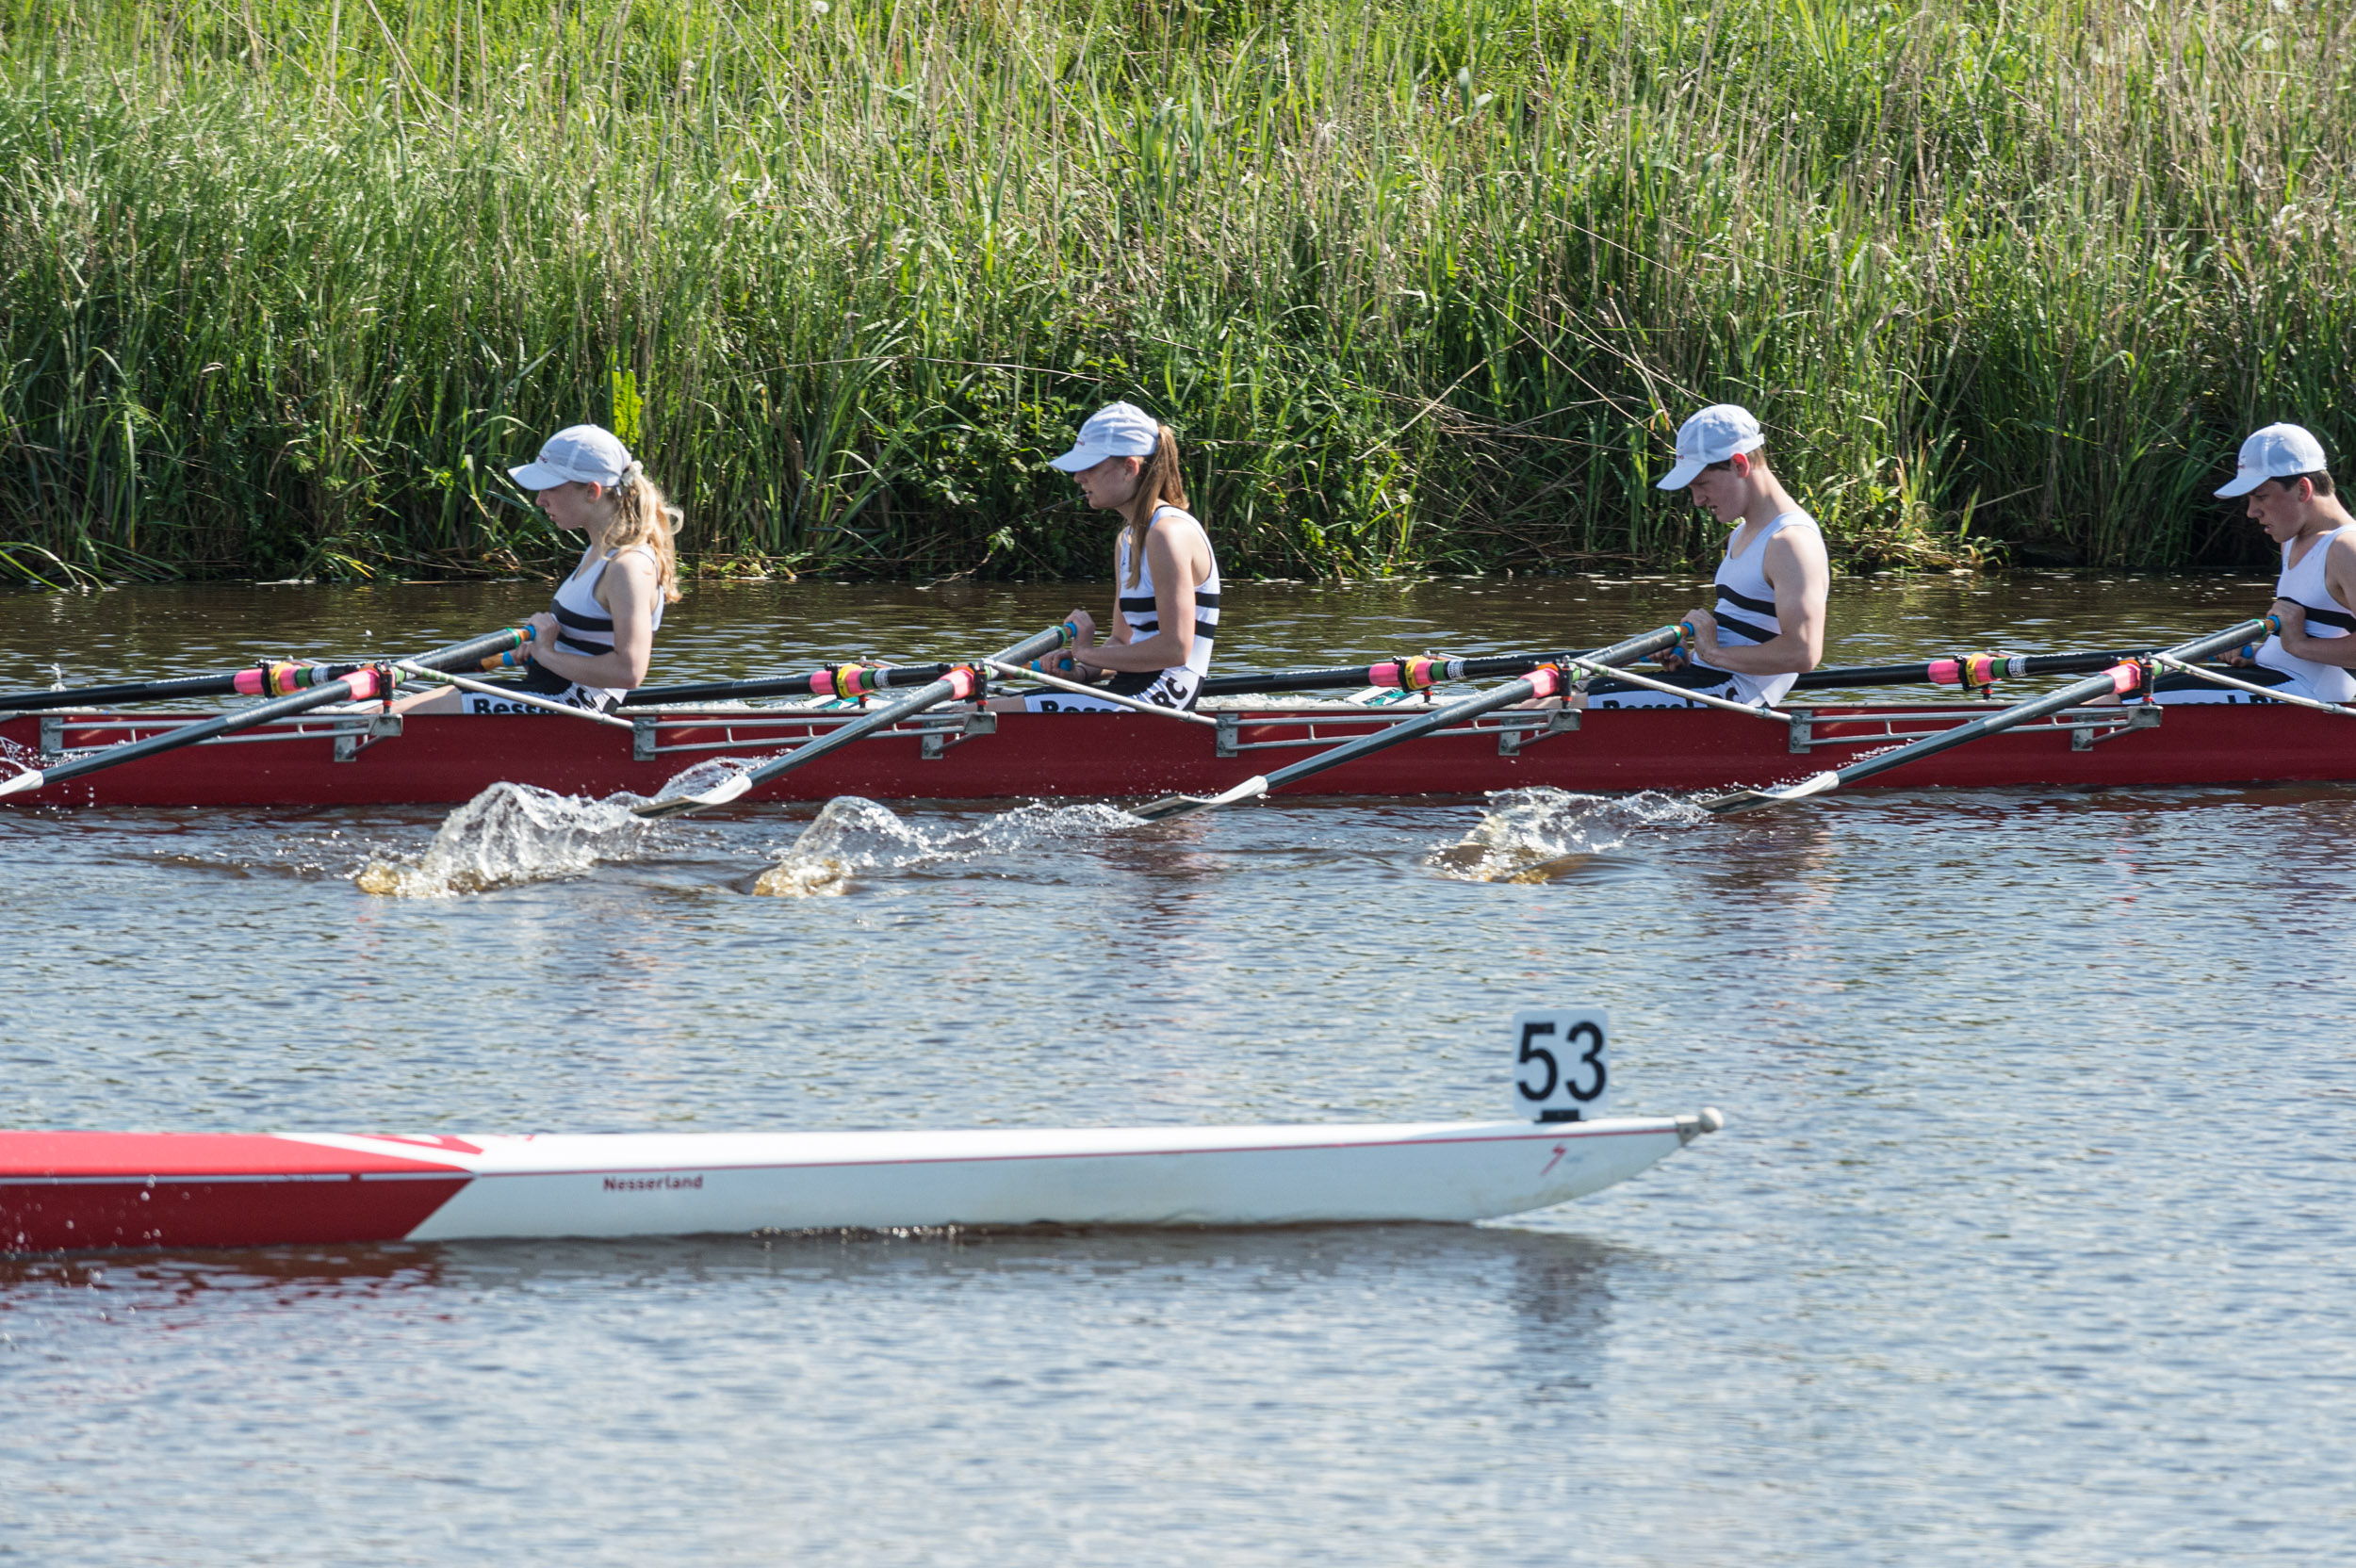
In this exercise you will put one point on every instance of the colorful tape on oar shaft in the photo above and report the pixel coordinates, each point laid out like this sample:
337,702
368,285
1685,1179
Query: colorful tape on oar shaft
517,636
1418,674
371,681
964,683
279,681
844,680
1545,681
1980,670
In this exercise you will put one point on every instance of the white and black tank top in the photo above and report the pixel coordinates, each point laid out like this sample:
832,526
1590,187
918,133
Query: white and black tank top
2304,585
584,628
1141,612
1746,607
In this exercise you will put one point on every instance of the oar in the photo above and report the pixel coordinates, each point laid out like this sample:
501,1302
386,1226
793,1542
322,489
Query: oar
361,684
962,681
1978,669
1408,674
841,680
254,681
2119,680
1422,674
1546,680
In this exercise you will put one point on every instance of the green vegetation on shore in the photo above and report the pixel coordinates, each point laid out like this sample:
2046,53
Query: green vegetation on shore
1425,284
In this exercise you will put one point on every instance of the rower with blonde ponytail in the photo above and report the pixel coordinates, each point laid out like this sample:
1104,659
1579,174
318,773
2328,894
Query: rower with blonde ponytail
1166,577
594,642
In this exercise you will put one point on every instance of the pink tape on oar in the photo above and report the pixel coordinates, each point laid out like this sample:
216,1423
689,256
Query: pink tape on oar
1946,672
279,681
844,680
2125,678
1418,674
962,682
1545,681
368,684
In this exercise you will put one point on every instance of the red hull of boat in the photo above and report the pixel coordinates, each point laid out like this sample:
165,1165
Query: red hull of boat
442,758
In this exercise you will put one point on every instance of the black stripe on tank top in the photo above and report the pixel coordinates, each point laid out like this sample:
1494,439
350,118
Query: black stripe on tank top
1206,630
574,620
1755,633
1743,601
1137,604
2340,618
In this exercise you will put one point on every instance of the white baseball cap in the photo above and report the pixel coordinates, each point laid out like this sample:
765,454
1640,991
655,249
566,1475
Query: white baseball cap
578,454
1714,434
1116,430
2278,451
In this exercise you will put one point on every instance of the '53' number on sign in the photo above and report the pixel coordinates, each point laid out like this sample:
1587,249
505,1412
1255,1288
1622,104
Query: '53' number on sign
1559,1069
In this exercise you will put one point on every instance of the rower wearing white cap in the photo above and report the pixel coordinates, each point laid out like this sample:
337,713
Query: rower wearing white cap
2281,472
1767,624
594,642
1165,593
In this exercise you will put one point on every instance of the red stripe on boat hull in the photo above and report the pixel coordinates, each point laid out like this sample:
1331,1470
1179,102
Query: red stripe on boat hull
70,1191
444,758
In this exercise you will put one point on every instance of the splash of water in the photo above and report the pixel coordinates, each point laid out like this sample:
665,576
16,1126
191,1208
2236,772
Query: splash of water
511,833
1542,834
703,775
853,835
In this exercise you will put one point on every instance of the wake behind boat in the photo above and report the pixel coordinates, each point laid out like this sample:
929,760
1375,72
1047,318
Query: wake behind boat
77,1190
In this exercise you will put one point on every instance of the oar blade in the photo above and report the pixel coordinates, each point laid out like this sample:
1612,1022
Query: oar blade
733,786
1754,800
31,778
1181,806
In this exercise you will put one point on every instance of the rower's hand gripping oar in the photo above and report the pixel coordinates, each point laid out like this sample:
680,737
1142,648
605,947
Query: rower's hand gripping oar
962,681
361,685
1546,680
2119,680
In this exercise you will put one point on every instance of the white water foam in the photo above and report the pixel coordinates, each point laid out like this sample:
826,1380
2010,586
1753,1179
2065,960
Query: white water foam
1539,835
701,777
511,833
853,835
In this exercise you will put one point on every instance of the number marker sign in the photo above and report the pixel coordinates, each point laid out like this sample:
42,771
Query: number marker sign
1559,1073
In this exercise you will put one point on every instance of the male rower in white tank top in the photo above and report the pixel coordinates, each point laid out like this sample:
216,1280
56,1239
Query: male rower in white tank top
1766,625
2292,497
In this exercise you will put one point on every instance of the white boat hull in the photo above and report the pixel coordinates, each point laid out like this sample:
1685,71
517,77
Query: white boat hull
78,1190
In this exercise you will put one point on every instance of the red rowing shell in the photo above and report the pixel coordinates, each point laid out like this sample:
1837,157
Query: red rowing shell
61,1191
441,758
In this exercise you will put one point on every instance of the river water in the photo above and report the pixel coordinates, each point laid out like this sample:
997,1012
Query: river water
2028,1240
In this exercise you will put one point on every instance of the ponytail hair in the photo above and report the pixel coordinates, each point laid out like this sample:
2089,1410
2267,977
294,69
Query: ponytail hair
642,514
1158,485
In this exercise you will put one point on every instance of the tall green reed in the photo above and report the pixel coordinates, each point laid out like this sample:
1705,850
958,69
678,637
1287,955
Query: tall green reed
1425,284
